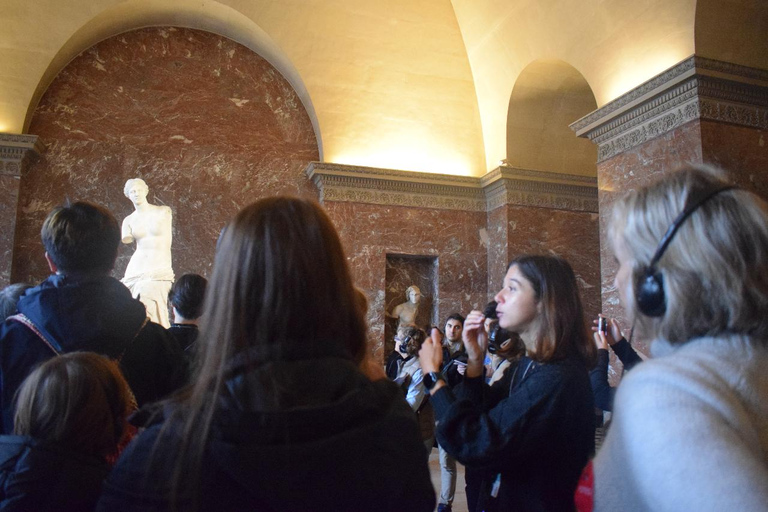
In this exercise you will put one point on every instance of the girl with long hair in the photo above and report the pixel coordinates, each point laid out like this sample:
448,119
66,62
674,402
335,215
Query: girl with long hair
532,435
281,415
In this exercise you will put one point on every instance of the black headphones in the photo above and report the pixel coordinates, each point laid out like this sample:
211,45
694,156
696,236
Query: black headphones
649,283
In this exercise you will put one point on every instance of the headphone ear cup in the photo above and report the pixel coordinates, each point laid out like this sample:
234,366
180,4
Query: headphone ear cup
649,292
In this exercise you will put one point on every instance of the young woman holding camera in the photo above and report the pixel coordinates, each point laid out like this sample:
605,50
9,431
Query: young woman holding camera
534,441
282,415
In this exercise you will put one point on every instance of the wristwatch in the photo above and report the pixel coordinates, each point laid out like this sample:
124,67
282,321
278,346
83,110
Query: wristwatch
431,379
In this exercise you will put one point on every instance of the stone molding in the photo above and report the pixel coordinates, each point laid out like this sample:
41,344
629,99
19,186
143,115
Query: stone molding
696,88
525,187
16,151
504,185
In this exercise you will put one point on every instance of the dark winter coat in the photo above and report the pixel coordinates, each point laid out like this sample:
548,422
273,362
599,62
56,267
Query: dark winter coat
537,434
301,435
95,314
41,477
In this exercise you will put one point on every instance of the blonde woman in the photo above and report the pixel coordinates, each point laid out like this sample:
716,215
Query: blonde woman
690,426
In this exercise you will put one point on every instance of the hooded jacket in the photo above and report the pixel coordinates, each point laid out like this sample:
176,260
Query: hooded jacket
288,436
96,314
44,477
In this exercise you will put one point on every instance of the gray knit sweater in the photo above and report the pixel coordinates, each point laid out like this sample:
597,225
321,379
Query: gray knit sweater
690,431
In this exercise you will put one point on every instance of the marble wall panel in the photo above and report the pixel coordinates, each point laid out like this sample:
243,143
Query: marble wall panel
371,232
570,235
629,170
498,256
207,123
8,201
742,151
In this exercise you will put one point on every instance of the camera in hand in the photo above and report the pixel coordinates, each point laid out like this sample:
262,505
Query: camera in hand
403,348
602,324
496,337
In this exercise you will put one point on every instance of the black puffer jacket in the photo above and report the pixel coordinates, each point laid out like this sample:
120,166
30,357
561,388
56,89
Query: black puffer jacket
40,477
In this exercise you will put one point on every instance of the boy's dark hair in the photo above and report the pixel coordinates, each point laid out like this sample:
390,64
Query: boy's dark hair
490,310
81,238
187,295
455,316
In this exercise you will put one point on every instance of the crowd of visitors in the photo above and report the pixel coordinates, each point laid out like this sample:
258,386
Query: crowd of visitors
263,394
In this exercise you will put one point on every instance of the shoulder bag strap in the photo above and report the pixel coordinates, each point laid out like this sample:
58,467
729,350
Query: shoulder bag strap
24,319
127,346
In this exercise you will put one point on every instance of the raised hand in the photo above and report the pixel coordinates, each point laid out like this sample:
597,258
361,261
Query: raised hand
475,342
611,337
431,353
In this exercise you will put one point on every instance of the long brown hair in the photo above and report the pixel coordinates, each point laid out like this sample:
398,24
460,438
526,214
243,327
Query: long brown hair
280,285
563,332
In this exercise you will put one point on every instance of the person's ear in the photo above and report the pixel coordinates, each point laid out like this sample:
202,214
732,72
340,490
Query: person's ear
51,264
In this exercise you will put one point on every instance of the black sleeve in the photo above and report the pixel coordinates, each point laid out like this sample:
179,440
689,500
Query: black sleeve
153,364
391,368
626,354
451,370
508,432
598,377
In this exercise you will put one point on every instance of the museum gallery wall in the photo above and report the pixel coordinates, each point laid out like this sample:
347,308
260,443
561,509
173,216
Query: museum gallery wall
211,126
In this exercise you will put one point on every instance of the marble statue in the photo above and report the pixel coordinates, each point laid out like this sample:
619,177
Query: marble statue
407,311
149,275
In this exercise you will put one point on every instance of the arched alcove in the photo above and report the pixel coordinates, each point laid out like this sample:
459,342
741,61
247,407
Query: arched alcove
548,96
735,31
211,16
209,125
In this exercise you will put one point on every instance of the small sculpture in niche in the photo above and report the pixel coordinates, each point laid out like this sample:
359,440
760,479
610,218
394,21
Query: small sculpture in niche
407,311
149,275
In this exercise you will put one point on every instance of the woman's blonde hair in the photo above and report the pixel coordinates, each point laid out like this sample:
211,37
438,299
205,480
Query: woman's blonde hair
715,270
79,401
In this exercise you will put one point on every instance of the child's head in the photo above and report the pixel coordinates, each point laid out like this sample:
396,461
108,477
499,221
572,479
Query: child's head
79,401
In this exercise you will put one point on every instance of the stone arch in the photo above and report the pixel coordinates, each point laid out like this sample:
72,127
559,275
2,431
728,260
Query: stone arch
209,125
547,96
211,16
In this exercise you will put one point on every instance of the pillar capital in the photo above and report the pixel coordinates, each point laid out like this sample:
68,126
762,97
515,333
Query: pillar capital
695,89
16,150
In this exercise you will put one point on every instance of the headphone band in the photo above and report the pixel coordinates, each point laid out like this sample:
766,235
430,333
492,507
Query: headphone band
692,207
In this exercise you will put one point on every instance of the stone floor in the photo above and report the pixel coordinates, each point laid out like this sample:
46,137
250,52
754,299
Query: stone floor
460,499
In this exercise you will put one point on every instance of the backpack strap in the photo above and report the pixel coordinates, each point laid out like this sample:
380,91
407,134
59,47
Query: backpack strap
50,343
127,345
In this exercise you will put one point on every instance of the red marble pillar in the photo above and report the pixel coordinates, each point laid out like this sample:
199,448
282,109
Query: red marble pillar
544,213
699,111
384,214
16,152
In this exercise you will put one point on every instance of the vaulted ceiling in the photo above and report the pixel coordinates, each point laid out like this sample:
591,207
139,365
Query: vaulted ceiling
424,85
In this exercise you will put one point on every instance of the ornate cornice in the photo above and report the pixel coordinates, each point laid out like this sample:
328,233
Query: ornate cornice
696,88
16,150
504,185
526,187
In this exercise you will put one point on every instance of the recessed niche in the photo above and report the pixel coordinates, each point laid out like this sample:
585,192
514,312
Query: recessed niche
402,272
